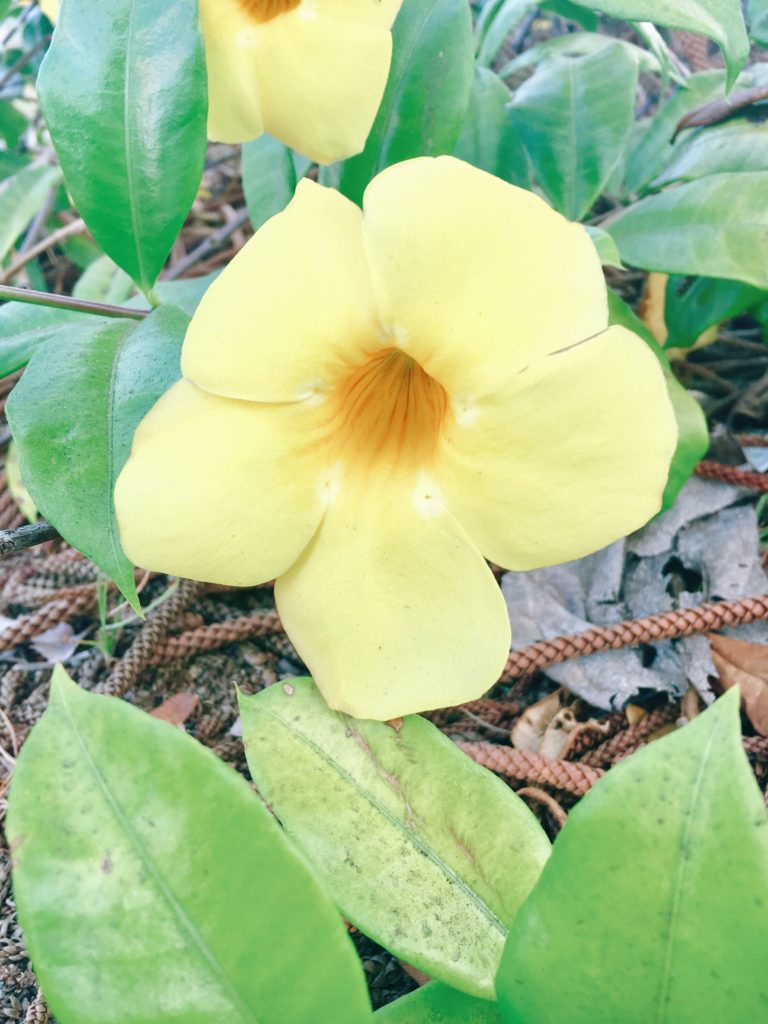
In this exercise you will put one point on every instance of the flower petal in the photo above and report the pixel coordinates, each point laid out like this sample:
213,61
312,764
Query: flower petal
572,455
294,303
217,490
477,277
391,606
234,108
321,80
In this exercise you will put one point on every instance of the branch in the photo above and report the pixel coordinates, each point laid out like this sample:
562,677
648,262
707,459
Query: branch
77,227
26,537
10,294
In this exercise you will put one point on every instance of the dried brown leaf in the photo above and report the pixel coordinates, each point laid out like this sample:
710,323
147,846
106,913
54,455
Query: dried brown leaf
532,724
743,664
721,109
177,709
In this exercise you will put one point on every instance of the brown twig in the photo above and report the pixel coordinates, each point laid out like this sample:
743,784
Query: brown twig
10,294
26,537
77,227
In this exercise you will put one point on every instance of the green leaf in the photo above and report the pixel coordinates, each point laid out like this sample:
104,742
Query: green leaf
714,227
757,19
154,887
432,43
720,20
654,905
692,432
123,89
21,197
269,178
605,246
507,16
740,145
654,147
25,328
439,1004
73,415
575,129
488,138
104,281
573,12
433,878
690,307
576,44
12,124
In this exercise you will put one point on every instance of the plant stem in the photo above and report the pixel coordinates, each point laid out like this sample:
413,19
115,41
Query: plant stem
34,298
26,537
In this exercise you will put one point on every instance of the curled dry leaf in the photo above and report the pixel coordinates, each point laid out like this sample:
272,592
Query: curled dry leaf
743,664
177,709
557,732
722,108
532,724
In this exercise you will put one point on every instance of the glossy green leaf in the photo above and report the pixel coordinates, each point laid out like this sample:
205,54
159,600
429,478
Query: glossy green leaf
690,307
439,1004
507,16
605,246
123,89
432,43
422,849
21,196
73,415
653,148
154,887
24,328
573,127
692,432
488,138
573,12
720,20
653,908
740,145
269,178
714,227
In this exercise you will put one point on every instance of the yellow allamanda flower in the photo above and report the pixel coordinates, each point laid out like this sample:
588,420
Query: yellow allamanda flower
309,72
373,401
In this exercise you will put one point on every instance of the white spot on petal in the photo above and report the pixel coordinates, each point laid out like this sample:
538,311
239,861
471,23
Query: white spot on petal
465,411
427,498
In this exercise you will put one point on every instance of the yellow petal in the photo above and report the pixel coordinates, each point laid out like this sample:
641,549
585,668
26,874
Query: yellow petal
475,276
234,108
321,79
391,606
217,490
291,308
570,456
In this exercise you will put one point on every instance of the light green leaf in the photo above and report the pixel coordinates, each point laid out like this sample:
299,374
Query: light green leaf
573,12
653,908
104,281
720,20
24,328
757,19
690,307
575,129
154,887
576,44
185,293
654,147
692,432
439,1004
422,849
740,145
123,89
488,138
269,178
507,16
714,227
73,415
605,246
21,196
432,43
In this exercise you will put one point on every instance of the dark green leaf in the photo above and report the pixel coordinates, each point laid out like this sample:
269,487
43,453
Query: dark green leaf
690,307
24,328
73,415
439,1004
123,89
714,227
155,888
573,12
433,878
269,178
432,41
488,138
693,435
653,908
720,20
575,129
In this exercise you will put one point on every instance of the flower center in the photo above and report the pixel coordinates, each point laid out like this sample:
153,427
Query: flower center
388,411
266,10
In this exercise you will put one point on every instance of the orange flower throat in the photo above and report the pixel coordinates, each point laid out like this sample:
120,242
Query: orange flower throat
265,10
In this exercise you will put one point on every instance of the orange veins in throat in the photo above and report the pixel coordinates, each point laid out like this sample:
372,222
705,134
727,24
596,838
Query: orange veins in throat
388,411
265,10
